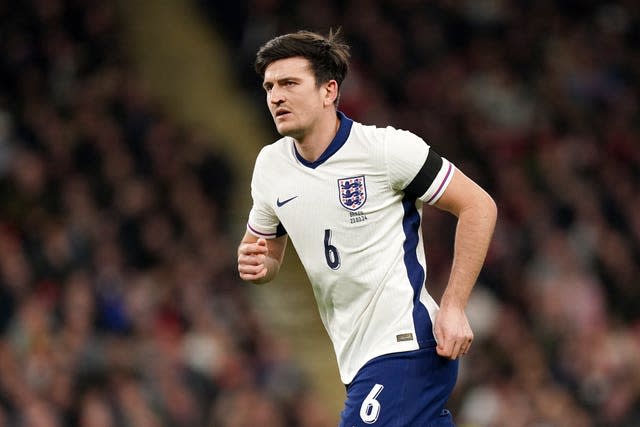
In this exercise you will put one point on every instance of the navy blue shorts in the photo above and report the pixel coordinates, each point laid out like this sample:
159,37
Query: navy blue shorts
401,390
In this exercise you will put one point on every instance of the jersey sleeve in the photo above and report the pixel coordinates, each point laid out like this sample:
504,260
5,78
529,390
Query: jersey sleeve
263,221
415,168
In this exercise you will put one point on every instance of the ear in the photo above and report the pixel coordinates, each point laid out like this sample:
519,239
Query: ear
331,88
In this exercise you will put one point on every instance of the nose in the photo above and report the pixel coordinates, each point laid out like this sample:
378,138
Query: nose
276,96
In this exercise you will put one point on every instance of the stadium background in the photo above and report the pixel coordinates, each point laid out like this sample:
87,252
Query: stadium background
127,136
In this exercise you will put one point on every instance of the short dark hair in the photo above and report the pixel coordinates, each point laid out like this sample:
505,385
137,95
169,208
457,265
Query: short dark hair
329,56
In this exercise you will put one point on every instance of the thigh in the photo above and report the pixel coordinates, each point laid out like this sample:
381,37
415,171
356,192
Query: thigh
401,389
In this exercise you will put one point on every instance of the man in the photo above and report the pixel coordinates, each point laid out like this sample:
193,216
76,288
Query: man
350,197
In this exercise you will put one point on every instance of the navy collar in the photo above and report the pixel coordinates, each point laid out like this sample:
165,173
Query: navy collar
338,141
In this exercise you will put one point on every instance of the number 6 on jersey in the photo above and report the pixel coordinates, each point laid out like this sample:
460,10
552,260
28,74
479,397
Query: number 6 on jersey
370,409
330,251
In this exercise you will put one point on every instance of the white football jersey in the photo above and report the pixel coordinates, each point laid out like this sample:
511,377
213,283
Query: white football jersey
354,218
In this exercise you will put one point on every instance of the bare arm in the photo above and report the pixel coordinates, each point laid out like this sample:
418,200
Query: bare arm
477,213
259,259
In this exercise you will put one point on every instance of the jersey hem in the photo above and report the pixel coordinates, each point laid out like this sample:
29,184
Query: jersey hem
428,344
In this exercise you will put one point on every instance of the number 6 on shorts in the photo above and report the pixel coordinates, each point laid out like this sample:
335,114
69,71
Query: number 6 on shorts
370,409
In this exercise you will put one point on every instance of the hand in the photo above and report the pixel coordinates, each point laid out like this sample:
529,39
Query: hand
251,260
453,333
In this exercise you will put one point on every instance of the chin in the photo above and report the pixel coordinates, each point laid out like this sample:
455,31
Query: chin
288,131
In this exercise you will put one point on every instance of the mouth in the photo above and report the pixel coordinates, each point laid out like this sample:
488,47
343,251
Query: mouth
281,112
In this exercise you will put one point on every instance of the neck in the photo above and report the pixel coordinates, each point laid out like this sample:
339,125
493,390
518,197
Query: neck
313,144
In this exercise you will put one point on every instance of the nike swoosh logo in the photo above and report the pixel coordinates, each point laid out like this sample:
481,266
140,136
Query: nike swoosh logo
284,202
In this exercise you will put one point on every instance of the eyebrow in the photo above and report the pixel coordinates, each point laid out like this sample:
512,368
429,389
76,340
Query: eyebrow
281,80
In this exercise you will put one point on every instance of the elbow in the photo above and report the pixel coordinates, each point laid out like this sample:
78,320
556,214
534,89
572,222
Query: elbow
492,207
491,213
482,208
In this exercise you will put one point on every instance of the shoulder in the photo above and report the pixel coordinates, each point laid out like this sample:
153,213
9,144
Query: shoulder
387,134
371,135
393,134
273,151
269,161
275,147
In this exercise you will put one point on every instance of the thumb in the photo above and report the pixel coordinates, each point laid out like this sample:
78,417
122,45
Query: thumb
440,344
262,243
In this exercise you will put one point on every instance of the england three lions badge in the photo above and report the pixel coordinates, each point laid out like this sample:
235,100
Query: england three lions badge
353,192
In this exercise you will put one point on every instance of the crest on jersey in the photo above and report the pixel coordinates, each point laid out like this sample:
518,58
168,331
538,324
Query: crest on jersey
353,192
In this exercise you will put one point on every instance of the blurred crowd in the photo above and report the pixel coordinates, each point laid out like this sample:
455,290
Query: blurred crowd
539,102
119,298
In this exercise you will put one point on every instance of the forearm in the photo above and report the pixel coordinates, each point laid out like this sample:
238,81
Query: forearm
474,230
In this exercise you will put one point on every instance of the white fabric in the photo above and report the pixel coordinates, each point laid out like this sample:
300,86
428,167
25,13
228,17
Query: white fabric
367,302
